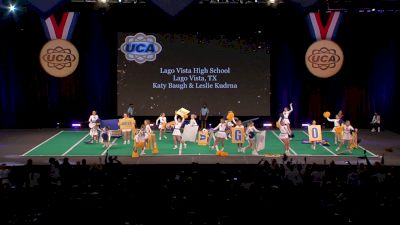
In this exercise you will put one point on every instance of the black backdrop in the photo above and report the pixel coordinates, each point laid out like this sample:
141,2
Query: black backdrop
367,82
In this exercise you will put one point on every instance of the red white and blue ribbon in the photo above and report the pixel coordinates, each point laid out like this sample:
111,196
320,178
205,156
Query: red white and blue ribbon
64,29
318,30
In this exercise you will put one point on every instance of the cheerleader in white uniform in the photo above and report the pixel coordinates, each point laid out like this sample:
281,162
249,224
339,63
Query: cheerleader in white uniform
193,121
284,135
177,132
251,138
220,135
347,135
148,131
140,140
286,112
336,128
162,123
94,130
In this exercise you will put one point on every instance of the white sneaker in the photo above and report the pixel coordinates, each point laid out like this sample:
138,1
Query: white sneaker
165,137
124,142
129,142
184,146
142,153
373,130
337,149
254,153
160,138
175,147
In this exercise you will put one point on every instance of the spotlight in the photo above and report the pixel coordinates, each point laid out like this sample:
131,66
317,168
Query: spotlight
305,124
12,8
76,125
103,1
267,124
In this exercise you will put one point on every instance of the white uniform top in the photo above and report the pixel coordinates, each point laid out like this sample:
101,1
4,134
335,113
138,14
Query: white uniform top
347,132
193,122
335,122
286,115
161,120
148,129
93,118
376,119
177,126
94,130
177,123
221,130
141,137
221,127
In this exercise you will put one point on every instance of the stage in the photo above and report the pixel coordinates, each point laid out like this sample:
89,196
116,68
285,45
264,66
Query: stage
17,146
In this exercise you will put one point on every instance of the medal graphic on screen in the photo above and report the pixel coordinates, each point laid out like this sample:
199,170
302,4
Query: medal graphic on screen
59,57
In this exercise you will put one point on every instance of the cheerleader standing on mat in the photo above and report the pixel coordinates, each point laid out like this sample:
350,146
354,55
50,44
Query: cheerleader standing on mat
220,135
93,120
286,112
239,125
148,131
336,128
193,121
177,132
313,143
126,133
347,135
284,135
162,123
140,140
251,137
106,136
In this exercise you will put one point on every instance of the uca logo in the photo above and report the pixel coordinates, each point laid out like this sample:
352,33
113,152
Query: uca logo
59,58
141,48
323,58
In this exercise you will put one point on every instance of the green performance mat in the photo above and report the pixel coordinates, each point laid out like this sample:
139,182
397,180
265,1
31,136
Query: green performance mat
73,143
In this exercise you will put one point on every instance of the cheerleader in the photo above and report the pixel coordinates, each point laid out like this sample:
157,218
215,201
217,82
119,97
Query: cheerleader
177,132
220,135
126,133
231,122
140,140
347,135
162,122
251,138
106,136
313,143
147,127
336,128
286,112
284,135
239,125
193,121
93,120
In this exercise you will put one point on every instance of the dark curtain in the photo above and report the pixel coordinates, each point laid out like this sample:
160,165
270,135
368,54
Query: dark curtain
368,81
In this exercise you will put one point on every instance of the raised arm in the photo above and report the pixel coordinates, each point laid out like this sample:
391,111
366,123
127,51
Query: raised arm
291,108
331,120
158,119
176,118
